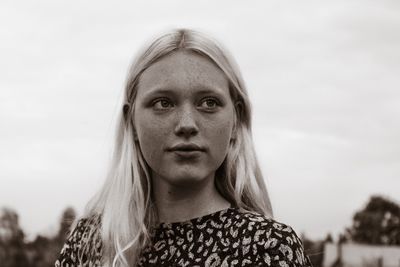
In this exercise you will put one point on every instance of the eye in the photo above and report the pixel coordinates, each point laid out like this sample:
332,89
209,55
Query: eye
161,104
210,103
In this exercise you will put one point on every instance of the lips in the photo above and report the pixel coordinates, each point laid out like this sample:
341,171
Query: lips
187,151
186,148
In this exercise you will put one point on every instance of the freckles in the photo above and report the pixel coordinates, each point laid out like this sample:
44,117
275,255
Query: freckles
155,127
221,126
219,134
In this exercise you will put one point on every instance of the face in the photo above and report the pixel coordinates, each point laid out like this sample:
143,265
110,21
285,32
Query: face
183,118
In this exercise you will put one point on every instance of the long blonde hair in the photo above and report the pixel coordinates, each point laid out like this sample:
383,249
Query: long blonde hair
124,203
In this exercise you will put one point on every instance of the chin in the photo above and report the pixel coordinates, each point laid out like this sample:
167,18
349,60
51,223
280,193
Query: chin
186,179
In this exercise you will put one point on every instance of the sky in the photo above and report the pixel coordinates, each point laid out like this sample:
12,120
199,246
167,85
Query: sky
323,78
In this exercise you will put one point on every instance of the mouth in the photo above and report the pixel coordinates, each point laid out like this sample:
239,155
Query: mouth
187,154
187,151
186,148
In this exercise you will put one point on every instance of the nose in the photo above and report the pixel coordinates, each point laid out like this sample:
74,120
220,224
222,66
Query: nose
186,125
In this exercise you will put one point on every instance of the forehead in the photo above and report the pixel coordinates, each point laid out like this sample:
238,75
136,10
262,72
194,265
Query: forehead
183,71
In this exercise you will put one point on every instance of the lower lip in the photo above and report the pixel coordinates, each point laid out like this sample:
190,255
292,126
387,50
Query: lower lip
188,153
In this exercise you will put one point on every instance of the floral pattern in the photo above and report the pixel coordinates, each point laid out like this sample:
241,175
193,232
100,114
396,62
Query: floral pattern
230,237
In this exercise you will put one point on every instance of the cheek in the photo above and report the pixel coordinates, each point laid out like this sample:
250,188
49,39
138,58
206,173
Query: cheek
151,135
219,135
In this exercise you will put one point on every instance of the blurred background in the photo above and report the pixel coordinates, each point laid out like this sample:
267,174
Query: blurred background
323,78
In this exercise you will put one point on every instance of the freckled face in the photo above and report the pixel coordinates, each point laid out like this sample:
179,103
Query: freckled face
183,117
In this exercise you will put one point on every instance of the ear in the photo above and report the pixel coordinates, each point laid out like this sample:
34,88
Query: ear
126,109
237,109
135,137
238,115
234,130
132,124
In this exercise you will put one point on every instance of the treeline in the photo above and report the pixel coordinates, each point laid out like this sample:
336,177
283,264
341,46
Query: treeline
43,251
378,223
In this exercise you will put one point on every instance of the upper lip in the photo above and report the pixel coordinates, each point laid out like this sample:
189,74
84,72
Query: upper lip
186,147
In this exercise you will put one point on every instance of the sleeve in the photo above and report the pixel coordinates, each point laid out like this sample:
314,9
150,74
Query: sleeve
281,247
75,251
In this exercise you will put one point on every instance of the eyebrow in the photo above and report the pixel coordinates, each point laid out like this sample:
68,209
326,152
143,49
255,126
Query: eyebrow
202,91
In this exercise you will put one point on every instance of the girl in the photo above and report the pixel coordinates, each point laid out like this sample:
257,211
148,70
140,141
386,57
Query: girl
184,187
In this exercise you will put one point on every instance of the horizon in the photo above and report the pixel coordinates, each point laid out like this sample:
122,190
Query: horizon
52,229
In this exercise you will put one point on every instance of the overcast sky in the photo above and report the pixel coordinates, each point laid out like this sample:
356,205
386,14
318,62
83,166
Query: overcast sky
324,80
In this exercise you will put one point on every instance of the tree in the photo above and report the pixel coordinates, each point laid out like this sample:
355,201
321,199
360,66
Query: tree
314,250
377,224
42,252
66,221
55,245
328,238
45,250
12,252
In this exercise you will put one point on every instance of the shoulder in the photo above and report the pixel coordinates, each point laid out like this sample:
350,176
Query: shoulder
269,241
83,244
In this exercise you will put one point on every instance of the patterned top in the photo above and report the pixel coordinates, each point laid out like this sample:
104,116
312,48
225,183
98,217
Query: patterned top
230,237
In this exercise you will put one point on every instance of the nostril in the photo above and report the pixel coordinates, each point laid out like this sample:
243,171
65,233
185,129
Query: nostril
186,130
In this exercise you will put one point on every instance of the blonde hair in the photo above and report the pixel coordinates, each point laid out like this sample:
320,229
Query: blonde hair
124,203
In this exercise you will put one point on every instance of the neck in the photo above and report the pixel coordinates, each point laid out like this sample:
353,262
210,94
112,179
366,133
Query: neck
181,202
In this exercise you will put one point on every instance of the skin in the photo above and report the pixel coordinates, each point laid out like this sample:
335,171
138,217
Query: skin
184,98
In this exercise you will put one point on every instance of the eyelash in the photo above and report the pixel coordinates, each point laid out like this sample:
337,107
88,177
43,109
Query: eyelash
204,100
159,101
216,101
